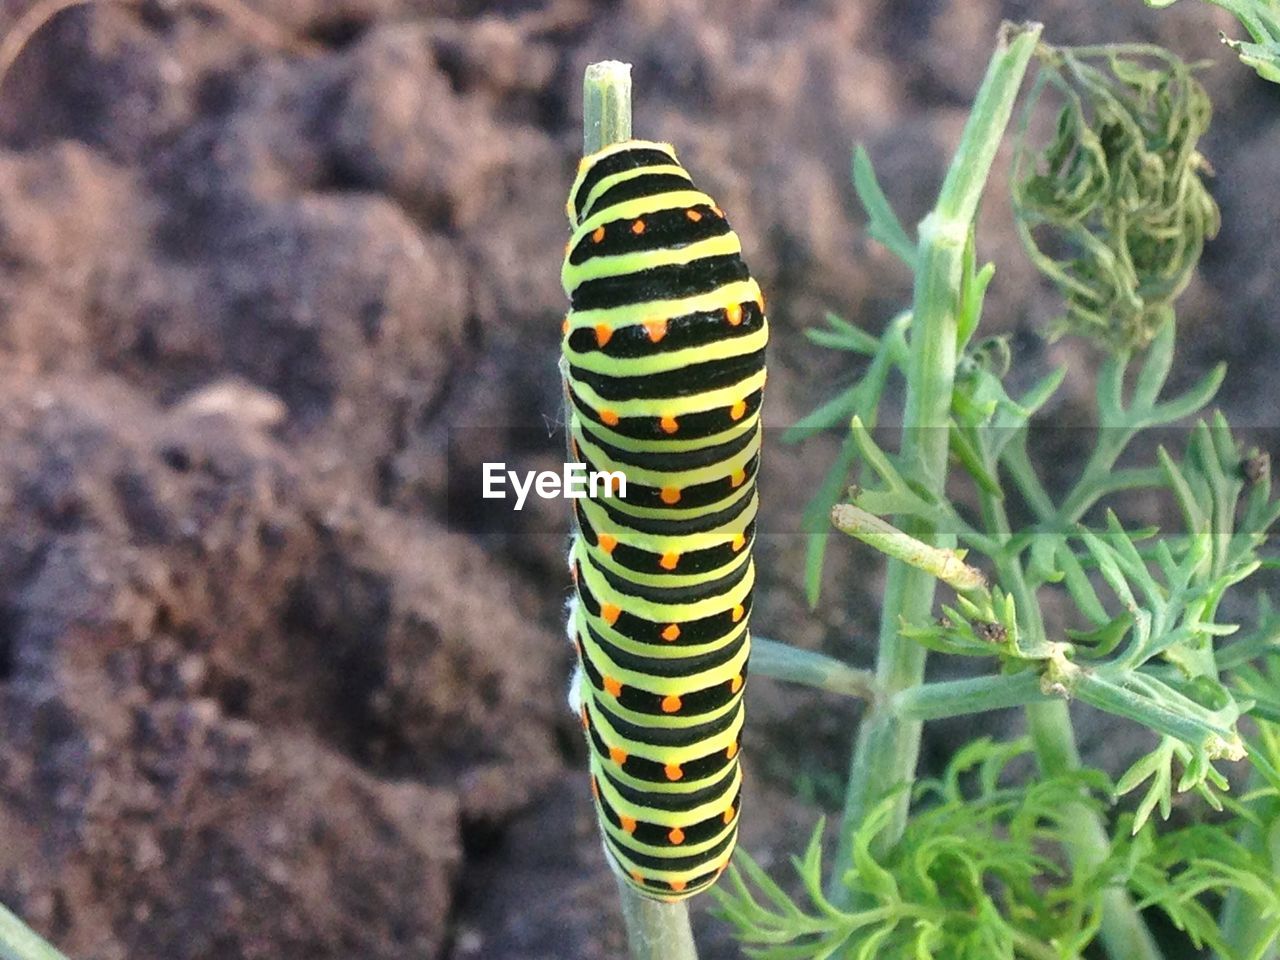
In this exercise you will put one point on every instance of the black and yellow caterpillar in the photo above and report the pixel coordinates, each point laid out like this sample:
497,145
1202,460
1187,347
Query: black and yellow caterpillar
663,357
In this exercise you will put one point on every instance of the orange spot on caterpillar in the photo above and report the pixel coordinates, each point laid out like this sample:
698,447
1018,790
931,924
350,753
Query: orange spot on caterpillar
760,302
638,877
628,824
719,213
733,313
671,634
729,815
735,684
737,478
668,424
612,686
564,327
568,244
586,720
673,771
638,227
670,495
595,788
693,215
739,541
738,612
609,418
676,836
732,750
603,334
671,703
657,329
678,885
738,410
669,561
618,755
610,613
606,542
597,235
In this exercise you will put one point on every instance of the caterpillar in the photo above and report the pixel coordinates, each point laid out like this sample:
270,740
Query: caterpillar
663,363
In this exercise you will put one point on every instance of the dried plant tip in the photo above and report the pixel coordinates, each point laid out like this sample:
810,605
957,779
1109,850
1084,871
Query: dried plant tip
1257,466
1113,209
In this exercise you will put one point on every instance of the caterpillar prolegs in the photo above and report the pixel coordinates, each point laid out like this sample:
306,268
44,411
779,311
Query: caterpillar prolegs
663,356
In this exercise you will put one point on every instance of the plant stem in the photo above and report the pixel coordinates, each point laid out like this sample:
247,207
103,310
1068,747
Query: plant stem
769,658
888,746
1123,932
655,930
1245,930
606,105
955,698
19,942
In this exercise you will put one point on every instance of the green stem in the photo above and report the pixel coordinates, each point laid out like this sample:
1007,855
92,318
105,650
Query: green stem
955,698
19,942
1245,930
655,930
1032,949
888,746
606,105
1123,932
780,661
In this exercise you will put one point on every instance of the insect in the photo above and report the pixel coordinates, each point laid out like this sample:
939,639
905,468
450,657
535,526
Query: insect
663,359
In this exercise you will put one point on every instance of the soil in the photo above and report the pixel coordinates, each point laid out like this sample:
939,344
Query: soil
273,683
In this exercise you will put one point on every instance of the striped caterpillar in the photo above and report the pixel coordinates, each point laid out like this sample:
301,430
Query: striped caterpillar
663,357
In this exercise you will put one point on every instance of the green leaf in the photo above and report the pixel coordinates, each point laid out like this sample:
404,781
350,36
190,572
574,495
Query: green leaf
883,224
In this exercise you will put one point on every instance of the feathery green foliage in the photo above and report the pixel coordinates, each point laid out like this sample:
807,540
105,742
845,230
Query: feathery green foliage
982,873
1018,868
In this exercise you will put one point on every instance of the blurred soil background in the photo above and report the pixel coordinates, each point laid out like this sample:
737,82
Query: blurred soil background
271,685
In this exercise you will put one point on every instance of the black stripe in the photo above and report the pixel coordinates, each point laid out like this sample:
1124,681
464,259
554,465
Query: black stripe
693,705
670,802
684,381
689,330
616,163
693,426
636,560
682,525
670,667
671,227
635,628
656,834
672,461
697,885
672,595
652,772
692,563
633,188
667,736
674,863
669,282
693,498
